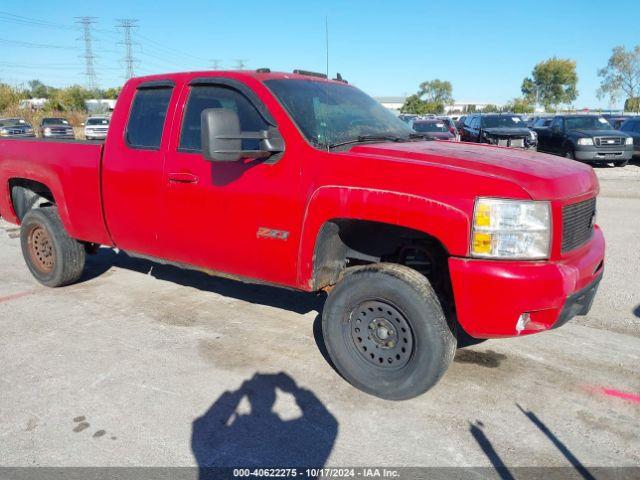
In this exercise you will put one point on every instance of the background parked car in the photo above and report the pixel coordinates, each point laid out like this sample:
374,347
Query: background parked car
632,127
541,122
502,129
96,128
616,122
15,127
451,125
56,127
407,117
460,123
589,138
434,128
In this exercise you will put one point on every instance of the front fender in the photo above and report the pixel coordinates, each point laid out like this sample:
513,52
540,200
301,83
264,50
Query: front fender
449,224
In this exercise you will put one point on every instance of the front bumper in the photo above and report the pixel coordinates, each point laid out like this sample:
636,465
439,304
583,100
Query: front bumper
595,155
59,135
96,135
491,295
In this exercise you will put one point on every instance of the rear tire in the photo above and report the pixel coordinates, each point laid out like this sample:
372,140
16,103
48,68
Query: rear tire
386,333
54,258
622,164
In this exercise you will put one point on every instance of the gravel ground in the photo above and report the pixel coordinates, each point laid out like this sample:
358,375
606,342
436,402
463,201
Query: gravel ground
144,364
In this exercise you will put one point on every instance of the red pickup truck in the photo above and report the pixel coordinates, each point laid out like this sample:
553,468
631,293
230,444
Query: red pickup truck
308,183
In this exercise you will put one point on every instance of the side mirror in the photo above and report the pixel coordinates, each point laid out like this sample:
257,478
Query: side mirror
222,137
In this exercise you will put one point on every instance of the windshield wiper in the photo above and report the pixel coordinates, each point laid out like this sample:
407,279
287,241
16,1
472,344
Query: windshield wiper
369,138
424,136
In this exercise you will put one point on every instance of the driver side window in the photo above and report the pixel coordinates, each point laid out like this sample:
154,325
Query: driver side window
203,97
557,123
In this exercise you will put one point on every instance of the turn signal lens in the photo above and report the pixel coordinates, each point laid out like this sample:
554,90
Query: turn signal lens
511,229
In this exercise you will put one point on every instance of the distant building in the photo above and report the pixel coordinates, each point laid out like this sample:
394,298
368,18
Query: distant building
395,104
33,103
392,103
465,106
100,105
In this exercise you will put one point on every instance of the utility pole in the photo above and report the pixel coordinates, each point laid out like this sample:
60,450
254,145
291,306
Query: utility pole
240,64
215,64
127,25
89,72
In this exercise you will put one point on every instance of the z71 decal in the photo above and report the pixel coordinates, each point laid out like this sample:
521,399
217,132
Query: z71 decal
264,232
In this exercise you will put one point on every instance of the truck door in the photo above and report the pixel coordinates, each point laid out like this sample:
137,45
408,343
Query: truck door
132,170
242,218
556,136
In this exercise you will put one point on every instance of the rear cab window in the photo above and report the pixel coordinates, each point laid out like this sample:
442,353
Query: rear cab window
147,117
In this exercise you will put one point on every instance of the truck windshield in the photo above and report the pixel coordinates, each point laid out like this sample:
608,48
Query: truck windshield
54,121
98,121
331,113
430,127
503,121
587,123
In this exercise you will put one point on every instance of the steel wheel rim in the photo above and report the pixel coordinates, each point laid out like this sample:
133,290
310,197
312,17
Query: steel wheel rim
41,249
381,335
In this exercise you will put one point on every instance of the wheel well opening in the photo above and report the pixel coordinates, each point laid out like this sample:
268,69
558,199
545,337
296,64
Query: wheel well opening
344,243
28,194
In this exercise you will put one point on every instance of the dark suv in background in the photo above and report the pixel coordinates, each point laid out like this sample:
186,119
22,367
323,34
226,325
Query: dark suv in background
502,129
589,138
15,127
55,127
632,127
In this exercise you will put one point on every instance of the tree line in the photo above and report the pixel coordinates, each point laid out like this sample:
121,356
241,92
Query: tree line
552,83
68,99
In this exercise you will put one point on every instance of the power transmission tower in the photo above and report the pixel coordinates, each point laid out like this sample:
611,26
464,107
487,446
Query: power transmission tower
215,64
240,64
90,71
127,25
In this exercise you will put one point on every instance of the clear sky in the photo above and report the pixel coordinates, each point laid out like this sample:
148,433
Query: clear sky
484,47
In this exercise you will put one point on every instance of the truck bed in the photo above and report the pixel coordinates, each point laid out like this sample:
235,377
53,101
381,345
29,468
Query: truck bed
70,168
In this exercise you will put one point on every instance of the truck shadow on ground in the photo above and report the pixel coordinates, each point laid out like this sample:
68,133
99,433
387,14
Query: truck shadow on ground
292,300
286,299
245,428
477,430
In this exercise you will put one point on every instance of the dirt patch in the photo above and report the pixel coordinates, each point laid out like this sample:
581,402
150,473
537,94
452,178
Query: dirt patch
488,359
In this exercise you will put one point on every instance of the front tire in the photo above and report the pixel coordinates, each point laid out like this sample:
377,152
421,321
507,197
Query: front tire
570,154
386,332
622,164
54,258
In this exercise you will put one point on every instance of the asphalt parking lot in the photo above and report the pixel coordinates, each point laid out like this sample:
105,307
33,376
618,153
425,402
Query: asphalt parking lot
147,365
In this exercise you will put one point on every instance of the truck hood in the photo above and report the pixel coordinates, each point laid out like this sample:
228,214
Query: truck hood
543,177
599,133
507,132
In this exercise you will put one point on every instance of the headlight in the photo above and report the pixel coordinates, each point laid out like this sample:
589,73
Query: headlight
511,229
585,141
628,141
47,131
28,130
4,132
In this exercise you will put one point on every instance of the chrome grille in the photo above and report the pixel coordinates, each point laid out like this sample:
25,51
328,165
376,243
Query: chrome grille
510,142
608,141
577,223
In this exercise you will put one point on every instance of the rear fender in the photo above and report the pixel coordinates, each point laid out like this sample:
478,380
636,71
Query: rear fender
51,181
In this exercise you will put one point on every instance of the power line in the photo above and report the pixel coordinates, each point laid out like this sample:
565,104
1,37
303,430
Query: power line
215,64
127,25
90,72
19,43
33,22
240,63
